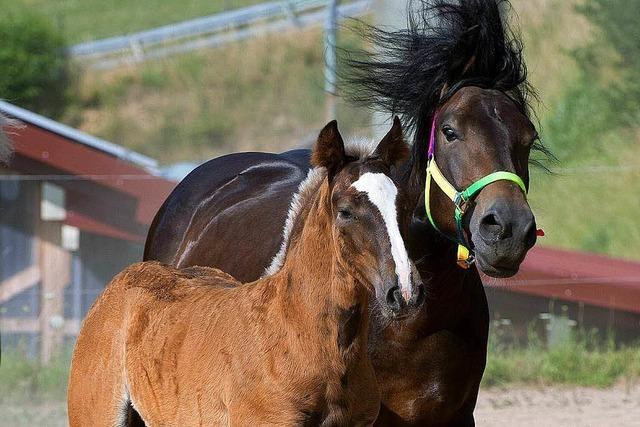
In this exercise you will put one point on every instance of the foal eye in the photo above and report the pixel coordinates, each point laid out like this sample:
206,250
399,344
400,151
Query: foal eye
449,133
345,214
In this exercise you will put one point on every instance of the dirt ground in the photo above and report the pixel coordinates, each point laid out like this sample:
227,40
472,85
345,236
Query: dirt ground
618,406
527,406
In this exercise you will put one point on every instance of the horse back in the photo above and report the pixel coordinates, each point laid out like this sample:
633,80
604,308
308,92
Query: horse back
228,213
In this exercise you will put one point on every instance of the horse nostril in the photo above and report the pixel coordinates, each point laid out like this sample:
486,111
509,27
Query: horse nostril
419,296
395,300
492,228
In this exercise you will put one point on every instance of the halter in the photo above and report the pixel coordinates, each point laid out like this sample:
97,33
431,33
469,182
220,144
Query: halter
461,199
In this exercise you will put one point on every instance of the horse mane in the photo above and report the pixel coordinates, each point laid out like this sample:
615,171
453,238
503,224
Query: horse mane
447,45
6,147
358,148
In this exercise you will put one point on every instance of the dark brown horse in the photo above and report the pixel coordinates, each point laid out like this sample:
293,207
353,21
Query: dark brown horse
457,70
196,347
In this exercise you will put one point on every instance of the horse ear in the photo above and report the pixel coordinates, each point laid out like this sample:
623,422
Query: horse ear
392,149
329,149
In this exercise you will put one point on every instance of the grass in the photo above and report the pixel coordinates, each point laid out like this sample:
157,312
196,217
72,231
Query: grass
261,94
32,394
266,94
25,380
588,204
84,20
579,361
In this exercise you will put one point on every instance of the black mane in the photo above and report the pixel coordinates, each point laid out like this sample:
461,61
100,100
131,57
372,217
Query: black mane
447,45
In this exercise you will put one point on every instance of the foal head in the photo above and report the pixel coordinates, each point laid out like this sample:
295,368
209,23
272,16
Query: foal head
368,218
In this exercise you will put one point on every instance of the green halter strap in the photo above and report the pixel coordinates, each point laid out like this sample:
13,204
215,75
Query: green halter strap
461,199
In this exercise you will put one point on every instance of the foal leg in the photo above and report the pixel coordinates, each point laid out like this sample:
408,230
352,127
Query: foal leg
97,394
96,398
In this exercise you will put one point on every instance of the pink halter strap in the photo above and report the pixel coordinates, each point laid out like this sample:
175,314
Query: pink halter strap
432,137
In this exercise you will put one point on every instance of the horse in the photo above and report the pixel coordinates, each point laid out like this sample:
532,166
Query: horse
197,347
457,78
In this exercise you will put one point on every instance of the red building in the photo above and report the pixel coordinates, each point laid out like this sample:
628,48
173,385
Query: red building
74,210
593,291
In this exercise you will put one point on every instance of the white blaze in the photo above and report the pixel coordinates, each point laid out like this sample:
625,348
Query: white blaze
382,193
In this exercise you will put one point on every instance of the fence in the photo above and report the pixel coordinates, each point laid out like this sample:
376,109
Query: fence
210,31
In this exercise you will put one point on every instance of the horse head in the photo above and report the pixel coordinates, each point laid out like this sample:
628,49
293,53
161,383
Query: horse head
457,76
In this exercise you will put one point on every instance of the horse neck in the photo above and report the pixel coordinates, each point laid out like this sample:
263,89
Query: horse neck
434,254
314,279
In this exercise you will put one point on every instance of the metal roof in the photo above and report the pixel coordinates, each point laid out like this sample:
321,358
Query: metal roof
78,136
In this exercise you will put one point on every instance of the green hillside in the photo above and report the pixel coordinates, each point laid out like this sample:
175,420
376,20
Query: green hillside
260,94
577,53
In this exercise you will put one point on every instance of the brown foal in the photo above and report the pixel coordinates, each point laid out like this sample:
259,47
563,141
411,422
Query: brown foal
187,347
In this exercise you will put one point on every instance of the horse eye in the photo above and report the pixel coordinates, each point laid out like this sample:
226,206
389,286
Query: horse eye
449,133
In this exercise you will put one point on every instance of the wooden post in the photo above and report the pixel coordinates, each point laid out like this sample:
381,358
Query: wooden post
389,14
55,267
55,270
330,79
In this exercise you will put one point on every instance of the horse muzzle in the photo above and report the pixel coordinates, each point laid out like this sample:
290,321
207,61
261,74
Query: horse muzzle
502,235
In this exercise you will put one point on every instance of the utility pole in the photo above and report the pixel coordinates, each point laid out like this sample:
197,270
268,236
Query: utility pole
390,14
330,79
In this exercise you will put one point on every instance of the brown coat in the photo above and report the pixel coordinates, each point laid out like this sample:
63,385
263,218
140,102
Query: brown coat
196,347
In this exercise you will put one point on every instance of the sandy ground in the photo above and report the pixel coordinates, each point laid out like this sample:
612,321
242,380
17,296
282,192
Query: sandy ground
618,406
512,406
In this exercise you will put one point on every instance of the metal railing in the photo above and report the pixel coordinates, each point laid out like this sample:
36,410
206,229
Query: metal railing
209,31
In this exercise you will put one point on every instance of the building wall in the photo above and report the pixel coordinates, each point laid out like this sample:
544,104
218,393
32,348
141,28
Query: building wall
45,288
514,315
19,299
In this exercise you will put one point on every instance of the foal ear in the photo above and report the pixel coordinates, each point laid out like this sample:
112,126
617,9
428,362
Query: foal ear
392,149
329,149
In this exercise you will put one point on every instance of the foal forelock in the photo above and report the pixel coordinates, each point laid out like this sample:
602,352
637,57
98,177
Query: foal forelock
360,147
382,193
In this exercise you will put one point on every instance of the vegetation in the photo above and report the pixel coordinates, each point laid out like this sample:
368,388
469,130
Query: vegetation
84,20
581,360
32,394
34,73
23,379
591,124
264,94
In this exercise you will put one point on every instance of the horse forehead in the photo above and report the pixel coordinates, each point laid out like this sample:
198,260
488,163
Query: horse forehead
475,104
379,188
